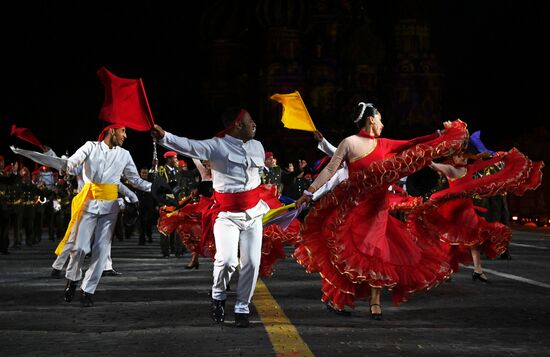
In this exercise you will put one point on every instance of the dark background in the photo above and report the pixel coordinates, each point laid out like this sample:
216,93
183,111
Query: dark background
493,58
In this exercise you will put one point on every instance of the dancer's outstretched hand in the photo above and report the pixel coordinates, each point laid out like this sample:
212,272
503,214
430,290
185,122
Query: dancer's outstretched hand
302,200
157,132
318,136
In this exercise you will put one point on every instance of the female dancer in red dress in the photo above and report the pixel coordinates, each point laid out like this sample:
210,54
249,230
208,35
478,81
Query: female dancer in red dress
450,214
350,238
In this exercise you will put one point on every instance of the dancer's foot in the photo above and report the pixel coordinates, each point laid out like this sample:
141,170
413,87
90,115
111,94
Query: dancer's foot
375,312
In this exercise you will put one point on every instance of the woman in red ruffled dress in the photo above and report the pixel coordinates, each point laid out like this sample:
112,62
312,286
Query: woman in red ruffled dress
187,220
351,238
450,215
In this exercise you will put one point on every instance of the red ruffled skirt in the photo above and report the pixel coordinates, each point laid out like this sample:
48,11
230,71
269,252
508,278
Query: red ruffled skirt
354,243
187,222
450,216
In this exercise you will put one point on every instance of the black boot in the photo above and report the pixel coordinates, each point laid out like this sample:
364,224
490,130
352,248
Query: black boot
506,255
218,310
241,320
86,299
69,290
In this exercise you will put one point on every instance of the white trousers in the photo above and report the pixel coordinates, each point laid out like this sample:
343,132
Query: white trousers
63,258
234,236
109,261
102,227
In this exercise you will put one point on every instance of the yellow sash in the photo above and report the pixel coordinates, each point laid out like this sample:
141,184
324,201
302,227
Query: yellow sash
97,191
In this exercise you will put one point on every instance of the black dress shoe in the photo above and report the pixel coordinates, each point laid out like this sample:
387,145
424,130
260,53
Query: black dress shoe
69,290
336,311
192,265
375,316
218,310
86,299
481,277
110,272
241,320
56,273
506,255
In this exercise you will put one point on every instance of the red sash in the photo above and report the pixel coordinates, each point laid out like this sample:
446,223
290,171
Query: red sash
226,202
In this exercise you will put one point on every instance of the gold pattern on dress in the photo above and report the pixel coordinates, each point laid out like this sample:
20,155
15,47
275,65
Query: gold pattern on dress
341,201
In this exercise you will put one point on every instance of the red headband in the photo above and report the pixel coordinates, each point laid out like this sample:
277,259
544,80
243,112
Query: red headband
112,126
232,125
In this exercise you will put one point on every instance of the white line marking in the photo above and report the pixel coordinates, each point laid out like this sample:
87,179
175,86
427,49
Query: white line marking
529,246
513,277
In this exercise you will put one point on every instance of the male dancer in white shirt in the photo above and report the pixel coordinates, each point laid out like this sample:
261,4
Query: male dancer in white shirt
94,210
235,159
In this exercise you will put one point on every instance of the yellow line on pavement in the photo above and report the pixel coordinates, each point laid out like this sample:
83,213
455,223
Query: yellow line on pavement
283,335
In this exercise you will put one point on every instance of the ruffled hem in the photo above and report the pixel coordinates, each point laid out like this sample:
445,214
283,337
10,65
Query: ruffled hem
350,264
186,222
427,221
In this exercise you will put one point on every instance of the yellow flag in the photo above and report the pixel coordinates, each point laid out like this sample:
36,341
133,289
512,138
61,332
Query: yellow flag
295,114
272,213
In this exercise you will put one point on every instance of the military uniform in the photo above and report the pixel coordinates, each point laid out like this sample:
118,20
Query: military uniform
14,208
146,216
273,175
497,206
5,181
29,197
61,203
170,185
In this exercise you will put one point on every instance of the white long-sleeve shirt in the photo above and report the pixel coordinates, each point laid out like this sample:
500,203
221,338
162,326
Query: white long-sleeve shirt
105,166
235,164
326,147
340,175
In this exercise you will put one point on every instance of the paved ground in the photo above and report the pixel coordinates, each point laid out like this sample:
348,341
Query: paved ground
159,308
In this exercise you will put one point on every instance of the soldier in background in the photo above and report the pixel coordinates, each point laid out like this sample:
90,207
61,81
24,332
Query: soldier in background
169,187
29,196
146,210
497,207
61,203
14,207
5,181
272,174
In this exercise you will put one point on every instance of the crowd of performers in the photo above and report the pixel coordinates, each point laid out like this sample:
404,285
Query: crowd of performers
363,232
352,222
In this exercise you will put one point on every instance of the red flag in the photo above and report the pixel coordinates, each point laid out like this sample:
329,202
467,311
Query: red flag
125,102
25,134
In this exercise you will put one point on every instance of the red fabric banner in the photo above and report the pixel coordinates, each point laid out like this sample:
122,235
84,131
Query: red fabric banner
25,134
125,102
